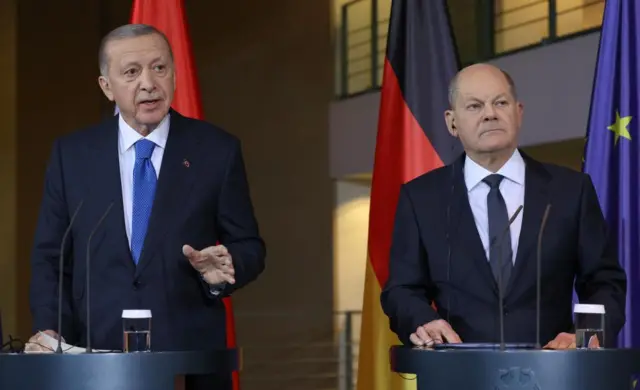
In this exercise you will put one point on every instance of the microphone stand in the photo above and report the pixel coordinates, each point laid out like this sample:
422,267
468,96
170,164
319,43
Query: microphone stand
61,275
500,287
538,272
88,274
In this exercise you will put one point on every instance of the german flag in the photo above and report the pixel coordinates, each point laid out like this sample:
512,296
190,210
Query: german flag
412,139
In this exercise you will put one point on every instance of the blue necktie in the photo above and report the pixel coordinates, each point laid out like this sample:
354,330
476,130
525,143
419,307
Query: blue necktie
144,188
498,222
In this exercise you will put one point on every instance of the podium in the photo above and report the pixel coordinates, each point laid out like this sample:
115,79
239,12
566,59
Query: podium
491,369
109,371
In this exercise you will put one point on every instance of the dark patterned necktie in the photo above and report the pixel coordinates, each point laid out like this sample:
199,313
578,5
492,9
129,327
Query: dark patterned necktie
498,221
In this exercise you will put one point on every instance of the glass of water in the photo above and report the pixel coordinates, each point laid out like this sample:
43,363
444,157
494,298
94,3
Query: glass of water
589,321
136,328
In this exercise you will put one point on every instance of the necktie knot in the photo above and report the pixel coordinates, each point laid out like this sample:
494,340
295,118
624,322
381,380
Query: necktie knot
493,181
144,148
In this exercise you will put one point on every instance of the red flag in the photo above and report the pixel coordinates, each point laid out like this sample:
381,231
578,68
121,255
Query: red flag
412,140
168,16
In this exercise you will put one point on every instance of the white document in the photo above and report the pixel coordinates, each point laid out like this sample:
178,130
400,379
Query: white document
47,344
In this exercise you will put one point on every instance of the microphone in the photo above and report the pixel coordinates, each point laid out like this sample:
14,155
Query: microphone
448,237
61,274
538,272
500,286
88,273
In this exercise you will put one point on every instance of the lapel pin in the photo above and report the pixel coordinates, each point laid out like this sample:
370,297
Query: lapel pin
186,163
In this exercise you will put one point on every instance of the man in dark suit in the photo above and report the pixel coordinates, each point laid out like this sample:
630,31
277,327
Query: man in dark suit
181,233
465,206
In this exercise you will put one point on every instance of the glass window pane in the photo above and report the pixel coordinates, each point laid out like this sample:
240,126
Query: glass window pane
520,23
578,15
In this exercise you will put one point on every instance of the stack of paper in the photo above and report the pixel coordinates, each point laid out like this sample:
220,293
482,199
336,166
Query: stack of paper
48,344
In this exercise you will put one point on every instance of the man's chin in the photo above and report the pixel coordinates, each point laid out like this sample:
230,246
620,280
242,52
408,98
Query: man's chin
496,145
151,119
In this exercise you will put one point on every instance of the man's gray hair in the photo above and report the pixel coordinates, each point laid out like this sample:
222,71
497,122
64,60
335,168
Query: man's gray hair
453,87
123,32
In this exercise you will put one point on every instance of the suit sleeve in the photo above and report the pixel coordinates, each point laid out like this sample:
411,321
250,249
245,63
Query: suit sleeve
237,225
600,278
52,222
405,298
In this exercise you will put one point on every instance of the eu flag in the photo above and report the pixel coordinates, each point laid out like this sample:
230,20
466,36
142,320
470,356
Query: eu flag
611,153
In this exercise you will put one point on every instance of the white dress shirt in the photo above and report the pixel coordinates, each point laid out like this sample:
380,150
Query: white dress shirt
511,188
127,137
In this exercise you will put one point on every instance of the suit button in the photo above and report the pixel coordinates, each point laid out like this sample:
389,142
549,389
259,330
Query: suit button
136,284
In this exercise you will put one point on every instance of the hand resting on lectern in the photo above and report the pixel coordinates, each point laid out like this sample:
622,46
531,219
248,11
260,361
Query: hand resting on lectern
568,341
37,343
434,332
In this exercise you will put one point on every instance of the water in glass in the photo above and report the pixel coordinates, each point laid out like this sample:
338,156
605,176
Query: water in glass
136,328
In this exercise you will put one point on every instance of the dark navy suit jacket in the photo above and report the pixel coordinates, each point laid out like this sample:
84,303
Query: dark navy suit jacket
202,198
575,246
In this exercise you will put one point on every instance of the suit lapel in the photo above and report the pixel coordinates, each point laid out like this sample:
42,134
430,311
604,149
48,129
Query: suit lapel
174,184
536,198
464,226
106,187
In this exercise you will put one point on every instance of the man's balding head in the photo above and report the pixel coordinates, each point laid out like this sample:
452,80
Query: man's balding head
485,113
453,84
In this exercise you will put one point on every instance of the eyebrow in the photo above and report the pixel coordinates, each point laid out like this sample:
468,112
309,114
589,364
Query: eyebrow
473,98
135,63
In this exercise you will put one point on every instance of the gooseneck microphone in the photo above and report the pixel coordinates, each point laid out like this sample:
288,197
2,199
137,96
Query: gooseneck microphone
88,274
448,237
61,274
538,272
500,286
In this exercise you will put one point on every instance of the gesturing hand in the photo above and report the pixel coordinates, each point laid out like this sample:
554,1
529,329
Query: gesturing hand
214,263
434,332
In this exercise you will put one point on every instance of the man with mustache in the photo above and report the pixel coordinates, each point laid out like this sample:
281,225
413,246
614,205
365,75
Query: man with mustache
447,220
181,234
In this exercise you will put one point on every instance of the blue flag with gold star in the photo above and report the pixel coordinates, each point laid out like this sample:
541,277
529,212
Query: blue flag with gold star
613,143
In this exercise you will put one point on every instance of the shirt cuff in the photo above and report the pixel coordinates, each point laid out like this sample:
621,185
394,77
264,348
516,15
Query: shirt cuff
215,289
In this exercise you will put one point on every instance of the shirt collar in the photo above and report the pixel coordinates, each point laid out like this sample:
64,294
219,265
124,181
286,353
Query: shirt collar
513,169
128,136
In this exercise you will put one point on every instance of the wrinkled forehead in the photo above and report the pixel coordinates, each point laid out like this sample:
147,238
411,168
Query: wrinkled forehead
483,85
141,50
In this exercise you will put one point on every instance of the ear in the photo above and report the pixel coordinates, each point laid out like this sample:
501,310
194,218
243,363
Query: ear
106,87
520,112
449,118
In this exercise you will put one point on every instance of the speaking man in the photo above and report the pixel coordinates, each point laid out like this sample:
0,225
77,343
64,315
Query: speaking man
181,233
465,206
